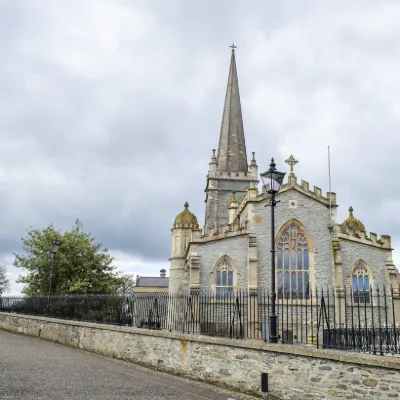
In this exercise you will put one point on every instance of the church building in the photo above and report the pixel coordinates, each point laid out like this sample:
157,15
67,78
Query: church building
232,250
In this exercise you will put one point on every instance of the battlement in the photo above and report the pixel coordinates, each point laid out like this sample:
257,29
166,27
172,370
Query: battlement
244,176
224,231
304,187
383,242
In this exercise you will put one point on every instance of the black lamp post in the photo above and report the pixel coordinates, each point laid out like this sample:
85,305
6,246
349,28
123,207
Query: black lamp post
272,181
56,245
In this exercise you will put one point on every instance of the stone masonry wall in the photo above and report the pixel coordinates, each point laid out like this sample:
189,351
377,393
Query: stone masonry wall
176,274
210,252
315,218
295,372
219,198
374,257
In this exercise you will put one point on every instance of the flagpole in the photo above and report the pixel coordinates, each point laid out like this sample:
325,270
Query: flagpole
330,189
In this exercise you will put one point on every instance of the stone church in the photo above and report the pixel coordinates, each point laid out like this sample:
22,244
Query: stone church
232,250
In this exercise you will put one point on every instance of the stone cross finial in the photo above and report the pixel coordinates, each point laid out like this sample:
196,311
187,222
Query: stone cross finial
233,47
351,212
292,162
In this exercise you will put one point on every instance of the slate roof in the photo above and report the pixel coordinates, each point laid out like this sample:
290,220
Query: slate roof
152,281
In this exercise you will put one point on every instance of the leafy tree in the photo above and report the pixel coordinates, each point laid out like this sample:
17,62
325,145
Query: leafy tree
4,281
81,264
128,284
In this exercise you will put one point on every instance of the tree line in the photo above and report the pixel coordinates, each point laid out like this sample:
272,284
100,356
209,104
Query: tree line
82,265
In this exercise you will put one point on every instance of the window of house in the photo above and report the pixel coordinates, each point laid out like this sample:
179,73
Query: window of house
361,283
224,278
293,263
185,244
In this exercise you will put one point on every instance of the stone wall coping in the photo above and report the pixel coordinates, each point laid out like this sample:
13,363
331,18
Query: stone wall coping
389,362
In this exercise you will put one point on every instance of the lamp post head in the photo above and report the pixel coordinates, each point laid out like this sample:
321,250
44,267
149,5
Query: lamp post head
272,179
56,245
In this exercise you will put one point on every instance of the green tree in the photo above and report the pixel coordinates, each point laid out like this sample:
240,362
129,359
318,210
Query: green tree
128,282
4,281
81,264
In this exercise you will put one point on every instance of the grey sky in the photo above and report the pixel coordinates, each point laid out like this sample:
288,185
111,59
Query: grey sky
109,111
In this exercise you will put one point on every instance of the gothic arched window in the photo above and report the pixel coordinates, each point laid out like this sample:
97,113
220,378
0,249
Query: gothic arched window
360,281
293,263
224,277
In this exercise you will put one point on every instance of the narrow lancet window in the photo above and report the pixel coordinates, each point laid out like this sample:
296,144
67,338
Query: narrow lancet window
224,278
360,283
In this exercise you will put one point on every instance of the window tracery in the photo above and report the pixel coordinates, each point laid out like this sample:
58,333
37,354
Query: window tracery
361,283
224,277
293,263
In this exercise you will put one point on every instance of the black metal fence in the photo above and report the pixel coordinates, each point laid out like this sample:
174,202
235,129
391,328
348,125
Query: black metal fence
343,319
106,309
366,321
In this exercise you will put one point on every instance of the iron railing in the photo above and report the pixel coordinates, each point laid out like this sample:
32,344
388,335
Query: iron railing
325,318
106,309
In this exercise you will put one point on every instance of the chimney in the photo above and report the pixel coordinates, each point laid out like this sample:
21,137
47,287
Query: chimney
163,273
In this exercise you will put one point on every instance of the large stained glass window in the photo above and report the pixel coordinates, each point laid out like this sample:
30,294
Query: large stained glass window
360,283
293,264
224,277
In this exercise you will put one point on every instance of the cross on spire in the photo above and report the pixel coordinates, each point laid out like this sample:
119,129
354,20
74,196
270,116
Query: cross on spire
292,162
233,47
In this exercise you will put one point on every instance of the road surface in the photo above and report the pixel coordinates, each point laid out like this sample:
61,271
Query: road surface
33,369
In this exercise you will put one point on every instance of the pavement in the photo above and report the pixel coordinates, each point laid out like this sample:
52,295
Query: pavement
34,369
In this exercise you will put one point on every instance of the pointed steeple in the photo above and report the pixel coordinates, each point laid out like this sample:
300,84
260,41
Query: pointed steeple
232,155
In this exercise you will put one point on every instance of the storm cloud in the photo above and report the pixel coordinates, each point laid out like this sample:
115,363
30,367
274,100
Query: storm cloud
109,111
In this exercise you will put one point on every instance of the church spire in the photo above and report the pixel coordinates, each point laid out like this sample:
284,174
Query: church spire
232,147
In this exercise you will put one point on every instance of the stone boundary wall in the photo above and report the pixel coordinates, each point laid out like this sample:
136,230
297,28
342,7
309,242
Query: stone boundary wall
294,371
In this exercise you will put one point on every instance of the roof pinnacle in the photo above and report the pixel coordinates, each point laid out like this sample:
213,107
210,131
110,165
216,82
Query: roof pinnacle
234,197
253,159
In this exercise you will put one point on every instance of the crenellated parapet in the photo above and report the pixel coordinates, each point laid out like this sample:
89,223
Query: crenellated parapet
224,231
304,187
238,175
382,242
